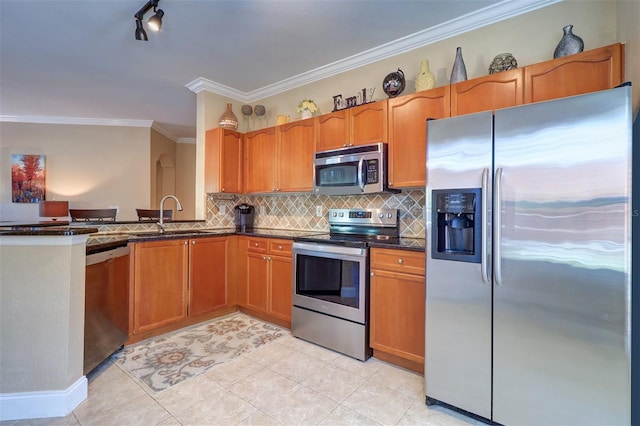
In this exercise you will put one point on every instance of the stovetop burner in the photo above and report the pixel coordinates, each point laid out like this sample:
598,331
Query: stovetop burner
357,227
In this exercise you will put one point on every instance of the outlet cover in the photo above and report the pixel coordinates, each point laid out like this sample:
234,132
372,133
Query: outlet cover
263,210
319,211
223,209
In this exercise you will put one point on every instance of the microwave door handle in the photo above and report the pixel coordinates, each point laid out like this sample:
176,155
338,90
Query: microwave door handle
360,177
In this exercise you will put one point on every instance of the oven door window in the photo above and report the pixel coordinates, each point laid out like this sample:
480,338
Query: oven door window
344,174
332,280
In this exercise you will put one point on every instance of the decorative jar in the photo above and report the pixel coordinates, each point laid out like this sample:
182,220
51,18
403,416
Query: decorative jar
228,119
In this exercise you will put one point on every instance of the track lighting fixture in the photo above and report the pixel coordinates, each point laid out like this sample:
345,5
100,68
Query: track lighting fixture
155,22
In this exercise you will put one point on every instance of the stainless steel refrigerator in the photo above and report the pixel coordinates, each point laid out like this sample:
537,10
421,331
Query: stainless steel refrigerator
529,265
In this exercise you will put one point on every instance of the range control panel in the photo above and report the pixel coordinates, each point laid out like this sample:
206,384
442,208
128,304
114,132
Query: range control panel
372,217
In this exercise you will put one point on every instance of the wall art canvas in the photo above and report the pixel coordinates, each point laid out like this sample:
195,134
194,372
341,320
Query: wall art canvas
27,178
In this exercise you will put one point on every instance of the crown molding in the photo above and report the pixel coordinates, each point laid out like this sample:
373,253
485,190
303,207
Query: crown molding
472,21
82,121
186,140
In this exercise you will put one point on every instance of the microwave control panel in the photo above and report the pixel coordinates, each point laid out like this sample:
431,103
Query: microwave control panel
373,174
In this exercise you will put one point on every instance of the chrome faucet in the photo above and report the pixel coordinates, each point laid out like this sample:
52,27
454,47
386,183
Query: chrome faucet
161,224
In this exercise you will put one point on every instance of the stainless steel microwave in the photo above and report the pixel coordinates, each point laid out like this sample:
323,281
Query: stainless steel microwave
353,170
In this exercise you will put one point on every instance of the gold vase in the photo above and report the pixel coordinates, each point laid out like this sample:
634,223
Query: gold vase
228,119
425,80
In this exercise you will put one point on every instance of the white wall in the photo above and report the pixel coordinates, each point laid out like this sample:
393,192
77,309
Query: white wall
90,166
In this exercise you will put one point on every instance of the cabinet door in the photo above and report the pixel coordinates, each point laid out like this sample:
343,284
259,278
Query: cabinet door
160,283
494,91
408,134
260,160
207,275
398,314
585,72
296,146
257,281
280,288
240,262
223,161
332,130
368,123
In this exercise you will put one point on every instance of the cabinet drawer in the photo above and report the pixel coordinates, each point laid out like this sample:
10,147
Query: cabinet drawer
408,262
283,247
257,245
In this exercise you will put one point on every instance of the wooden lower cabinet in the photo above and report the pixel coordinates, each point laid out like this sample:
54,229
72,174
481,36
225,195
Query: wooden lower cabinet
177,283
397,307
268,279
207,275
160,280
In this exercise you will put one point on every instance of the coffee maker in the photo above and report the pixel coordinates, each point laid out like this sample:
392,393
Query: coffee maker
457,225
244,217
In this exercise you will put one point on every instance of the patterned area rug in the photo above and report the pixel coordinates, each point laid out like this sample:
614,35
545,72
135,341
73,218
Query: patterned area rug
164,361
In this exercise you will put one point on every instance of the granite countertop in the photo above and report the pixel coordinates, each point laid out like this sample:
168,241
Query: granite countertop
51,230
100,242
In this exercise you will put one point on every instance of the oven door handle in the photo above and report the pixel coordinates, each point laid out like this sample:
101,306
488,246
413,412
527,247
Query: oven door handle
318,249
360,176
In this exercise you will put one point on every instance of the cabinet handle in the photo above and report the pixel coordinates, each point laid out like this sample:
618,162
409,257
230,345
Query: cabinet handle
193,241
222,190
256,244
371,274
279,247
264,257
186,242
400,261
269,258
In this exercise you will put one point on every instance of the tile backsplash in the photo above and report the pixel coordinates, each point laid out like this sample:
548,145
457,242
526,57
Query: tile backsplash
298,211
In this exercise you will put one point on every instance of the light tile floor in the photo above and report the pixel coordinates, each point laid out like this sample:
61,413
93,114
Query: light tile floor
286,382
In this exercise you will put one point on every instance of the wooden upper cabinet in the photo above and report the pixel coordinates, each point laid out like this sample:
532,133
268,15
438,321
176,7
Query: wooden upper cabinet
296,146
332,130
584,72
223,161
368,123
408,134
494,91
361,125
260,160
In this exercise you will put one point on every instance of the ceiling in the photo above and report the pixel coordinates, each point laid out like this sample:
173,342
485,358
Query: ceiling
79,58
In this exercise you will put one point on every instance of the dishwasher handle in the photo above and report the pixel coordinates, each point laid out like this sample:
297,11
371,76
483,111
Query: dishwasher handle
107,255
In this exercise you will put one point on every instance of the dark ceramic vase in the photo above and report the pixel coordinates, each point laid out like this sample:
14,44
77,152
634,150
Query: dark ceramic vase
569,43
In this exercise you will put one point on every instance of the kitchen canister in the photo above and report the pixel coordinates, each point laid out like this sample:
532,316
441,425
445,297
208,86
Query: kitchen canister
569,43
459,71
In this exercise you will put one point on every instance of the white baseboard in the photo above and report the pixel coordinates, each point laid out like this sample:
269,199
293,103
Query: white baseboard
35,405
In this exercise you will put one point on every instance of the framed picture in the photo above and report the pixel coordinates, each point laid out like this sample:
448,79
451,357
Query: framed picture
27,178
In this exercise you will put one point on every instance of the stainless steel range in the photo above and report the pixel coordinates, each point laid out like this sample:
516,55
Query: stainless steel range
331,279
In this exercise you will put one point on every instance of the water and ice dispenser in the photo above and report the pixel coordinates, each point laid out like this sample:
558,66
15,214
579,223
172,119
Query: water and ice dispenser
456,218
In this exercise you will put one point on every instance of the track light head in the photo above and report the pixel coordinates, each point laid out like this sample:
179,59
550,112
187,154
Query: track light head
155,22
141,34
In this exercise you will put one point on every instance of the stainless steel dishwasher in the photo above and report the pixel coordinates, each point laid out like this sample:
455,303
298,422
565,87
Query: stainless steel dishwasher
106,305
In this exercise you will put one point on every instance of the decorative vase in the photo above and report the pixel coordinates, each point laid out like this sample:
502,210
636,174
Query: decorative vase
569,43
459,71
228,119
425,80
306,114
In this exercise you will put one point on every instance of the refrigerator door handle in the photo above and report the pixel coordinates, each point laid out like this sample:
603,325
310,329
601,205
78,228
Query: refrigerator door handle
485,224
497,228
